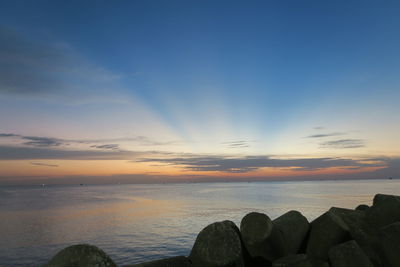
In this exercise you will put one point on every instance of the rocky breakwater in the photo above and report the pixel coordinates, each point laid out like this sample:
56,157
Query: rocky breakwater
360,237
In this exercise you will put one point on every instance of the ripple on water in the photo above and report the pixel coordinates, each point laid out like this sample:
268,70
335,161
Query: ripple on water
135,223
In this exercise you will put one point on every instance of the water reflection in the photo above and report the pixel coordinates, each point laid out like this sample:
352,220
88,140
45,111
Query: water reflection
141,222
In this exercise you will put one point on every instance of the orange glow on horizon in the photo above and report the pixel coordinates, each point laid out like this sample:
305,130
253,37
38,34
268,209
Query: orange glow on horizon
107,168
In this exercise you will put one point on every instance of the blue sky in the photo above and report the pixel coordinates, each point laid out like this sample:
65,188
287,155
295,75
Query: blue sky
205,78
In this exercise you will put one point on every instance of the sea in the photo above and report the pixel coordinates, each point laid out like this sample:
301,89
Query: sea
142,222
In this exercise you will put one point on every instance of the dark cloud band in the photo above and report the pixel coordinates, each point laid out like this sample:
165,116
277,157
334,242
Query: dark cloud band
247,164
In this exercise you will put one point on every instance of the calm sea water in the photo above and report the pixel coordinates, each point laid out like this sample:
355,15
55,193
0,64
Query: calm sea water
135,223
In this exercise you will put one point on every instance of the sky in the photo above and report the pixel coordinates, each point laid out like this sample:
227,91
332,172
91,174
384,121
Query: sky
189,91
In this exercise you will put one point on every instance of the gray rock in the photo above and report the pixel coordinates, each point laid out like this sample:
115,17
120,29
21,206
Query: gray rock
218,245
392,231
81,255
318,263
179,261
384,211
294,228
327,231
262,240
362,207
298,260
383,198
348,254
390,245
366,236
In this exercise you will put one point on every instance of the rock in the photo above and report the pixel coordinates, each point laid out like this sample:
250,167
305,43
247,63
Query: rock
81,255
318,263
390,245
179,261
299,260
294,228
327,231
383,198
392,231
218,245
262,240
359,230
362,207
348,254
384,211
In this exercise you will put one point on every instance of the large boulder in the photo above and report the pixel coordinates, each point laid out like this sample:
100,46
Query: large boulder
262,240
327,231
81,255
384,211
298,260
389,245
179,261
363,233
294,228
218,245
348,254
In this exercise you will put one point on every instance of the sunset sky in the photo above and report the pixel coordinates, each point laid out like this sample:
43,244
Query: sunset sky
169,91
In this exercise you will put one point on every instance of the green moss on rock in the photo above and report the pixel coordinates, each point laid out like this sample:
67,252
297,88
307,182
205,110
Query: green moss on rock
81,255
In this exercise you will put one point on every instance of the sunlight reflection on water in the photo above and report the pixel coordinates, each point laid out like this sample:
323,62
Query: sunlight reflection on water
134,223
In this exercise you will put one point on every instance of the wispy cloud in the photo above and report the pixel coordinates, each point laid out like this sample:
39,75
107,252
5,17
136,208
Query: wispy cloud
323,135
251,163
138,140
37,141
44,164
107,146
42,141
237,144
38,153
343,143
36,147
8,135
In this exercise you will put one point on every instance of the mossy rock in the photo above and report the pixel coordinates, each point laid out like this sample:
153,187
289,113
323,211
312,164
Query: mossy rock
384,211
81,255
348,254
263,241
294,228
218,245
327,231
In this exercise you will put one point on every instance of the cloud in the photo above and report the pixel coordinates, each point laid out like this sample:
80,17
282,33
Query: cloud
323,135
32,153
251,163
35,140
8,135
44,164
343,143
139,140
107,146
42,141
237,144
